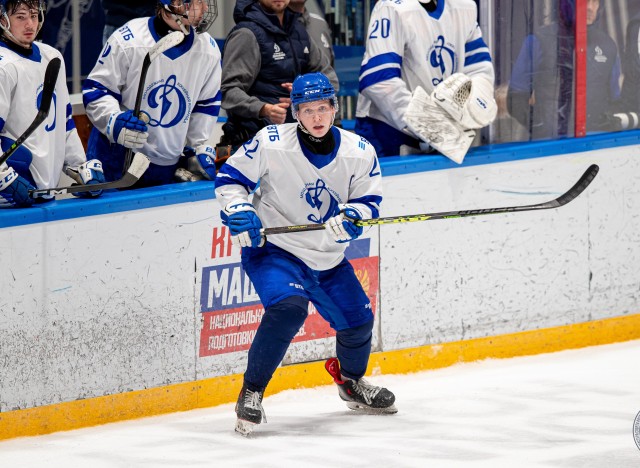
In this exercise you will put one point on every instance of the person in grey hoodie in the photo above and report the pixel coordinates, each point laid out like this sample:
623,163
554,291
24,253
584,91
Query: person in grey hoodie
317,27
263,54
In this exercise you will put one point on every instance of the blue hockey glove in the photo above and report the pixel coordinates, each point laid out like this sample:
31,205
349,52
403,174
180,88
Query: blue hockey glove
202,161
341,227
127,130
244,224
14,189
87,174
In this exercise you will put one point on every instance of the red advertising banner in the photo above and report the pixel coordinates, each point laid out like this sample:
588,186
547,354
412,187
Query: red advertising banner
232,310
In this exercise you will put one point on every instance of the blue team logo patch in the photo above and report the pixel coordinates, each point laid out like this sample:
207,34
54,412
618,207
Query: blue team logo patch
52,118
170,101
322,199
105,53
443,59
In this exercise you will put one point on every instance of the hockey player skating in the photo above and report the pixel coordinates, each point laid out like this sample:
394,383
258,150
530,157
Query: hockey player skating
180,101
426,77
308,171
54,146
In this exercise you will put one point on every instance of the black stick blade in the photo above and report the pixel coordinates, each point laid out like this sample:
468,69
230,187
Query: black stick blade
50,79
579,186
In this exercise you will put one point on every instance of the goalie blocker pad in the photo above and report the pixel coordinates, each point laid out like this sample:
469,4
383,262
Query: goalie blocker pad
433,125
468,100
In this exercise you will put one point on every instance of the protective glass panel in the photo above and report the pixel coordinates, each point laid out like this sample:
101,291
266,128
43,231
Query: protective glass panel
620,20
534,43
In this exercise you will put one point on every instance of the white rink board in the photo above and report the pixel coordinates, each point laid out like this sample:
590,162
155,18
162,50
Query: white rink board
99,305
457,279
111,303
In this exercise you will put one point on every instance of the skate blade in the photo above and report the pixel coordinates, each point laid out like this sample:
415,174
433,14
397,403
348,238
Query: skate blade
244,428
352,405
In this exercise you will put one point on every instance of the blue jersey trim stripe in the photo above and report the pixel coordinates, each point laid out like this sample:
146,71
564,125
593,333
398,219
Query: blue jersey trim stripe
382,59
372,201
477,58
2,122
71,124
209,106
213,100
207,110
379,77
93,90
234,176
474,45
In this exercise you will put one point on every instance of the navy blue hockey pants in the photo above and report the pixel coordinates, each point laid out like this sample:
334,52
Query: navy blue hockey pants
286,285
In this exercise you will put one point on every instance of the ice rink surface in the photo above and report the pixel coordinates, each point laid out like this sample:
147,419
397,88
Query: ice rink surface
568,409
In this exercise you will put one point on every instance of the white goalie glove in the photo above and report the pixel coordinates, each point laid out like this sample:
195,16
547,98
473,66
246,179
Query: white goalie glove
432,124
469,100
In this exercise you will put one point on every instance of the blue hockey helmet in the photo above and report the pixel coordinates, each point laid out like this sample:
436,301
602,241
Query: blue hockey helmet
182,9
311,87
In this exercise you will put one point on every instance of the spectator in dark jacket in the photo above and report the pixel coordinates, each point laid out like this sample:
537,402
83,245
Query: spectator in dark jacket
118,12
263,54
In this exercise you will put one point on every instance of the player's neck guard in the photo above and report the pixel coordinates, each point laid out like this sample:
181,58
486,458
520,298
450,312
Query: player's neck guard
323,145
11,43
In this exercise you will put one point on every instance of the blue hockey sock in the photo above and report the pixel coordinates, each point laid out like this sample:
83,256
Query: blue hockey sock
279,325
353,346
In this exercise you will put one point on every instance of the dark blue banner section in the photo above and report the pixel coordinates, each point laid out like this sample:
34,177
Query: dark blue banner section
58,27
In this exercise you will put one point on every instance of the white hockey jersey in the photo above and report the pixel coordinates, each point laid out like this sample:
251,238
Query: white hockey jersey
299,187
55,144
181,93
409,47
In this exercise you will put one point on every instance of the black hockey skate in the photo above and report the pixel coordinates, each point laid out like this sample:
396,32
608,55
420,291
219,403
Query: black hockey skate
249,410
359,394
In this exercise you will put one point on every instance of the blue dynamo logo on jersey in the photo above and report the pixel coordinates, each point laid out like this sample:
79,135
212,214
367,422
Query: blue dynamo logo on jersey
170,99
52,125
105,53
319,197
442,57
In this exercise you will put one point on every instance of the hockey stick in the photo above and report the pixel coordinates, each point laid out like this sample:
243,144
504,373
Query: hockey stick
563,199
49,86
164,44
138,166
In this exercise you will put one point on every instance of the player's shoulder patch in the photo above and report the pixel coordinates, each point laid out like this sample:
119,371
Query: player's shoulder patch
206,45
212,42
278,136
353,140
132,33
